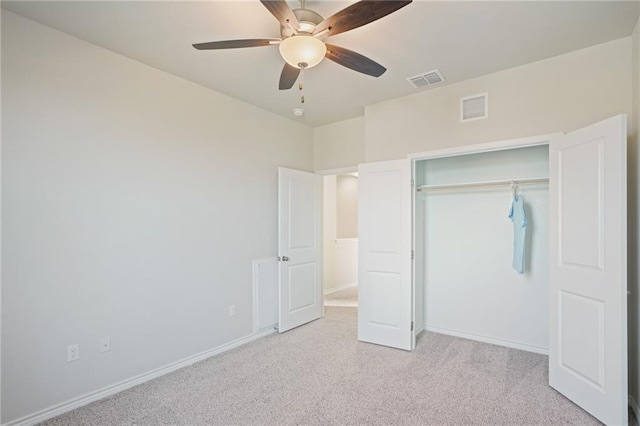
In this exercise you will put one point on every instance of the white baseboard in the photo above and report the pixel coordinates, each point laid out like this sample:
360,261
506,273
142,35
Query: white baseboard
346,240
342,287
493,341
340,304
74,403
634,406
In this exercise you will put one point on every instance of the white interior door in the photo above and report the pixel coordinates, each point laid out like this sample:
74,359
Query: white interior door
588,264
384,232
299,248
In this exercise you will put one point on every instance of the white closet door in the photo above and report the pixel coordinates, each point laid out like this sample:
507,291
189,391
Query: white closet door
299,248
588,264
384,232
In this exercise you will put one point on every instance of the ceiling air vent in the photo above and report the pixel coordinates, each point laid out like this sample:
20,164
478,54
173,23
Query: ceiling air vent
474,107
426,79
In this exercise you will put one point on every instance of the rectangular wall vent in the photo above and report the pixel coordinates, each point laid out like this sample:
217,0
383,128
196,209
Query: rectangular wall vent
426,79
475,107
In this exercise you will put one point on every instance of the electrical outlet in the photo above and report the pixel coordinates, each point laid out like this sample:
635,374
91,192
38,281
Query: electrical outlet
105,344
232,310
73,352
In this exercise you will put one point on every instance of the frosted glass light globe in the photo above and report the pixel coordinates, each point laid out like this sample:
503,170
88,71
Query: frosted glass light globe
302,49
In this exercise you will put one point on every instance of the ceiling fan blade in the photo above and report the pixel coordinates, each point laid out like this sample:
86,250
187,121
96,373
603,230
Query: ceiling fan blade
359,14
235,44
355,61
288,77
283,13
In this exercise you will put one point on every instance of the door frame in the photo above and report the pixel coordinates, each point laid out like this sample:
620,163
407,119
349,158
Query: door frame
323,173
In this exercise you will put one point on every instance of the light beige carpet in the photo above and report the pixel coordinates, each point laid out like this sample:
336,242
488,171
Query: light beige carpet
318,374
345,297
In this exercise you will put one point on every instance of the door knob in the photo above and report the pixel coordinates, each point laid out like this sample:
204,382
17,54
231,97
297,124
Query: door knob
285,259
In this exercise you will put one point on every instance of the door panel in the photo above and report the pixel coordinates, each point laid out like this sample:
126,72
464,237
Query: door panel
581,166
299,248
385,288
588,282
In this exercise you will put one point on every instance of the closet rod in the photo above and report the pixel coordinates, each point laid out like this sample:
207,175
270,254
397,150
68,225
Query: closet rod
489,183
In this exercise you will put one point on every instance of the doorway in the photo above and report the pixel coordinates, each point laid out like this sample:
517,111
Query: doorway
340,239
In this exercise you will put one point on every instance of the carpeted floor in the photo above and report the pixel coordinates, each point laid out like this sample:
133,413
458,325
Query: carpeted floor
318,374
345,297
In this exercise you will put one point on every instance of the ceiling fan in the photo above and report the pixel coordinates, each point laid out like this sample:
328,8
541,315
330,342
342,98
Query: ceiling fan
303,32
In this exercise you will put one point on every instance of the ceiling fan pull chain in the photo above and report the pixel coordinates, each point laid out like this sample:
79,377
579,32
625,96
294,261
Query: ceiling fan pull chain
301,83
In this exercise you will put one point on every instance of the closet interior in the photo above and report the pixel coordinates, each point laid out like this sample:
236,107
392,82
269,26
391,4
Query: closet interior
465,284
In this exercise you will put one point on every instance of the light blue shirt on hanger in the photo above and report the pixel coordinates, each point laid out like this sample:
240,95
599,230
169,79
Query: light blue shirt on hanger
519,219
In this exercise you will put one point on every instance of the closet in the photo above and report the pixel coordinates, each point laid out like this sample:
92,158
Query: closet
436,249
464,244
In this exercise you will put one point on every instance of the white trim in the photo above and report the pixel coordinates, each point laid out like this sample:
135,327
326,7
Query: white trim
342,287
346,240
634,407
341,304
491,340
90,397
486,147
339,171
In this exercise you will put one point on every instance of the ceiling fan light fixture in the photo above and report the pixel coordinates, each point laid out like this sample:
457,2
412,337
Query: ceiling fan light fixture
302,49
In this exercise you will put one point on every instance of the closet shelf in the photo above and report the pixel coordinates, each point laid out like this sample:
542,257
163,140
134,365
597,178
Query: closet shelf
487,184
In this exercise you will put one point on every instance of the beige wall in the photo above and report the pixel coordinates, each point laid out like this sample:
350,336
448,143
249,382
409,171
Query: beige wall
339,256
338,145
133,203
554,95
634,223
347,206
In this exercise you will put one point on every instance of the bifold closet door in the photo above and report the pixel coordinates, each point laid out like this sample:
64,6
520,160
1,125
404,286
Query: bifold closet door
299,248
588,264
385,313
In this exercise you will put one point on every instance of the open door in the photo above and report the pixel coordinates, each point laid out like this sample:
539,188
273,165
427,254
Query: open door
588,269
299,248
384,259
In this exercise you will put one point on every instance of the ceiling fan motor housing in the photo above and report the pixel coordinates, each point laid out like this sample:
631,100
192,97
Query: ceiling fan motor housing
308,20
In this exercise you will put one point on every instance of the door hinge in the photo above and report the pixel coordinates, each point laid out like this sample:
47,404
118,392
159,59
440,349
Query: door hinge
411,325
412,183
412,254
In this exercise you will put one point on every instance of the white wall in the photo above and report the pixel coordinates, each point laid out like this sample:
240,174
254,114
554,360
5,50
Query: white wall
554,95
633,203
338,145
471,288
133,203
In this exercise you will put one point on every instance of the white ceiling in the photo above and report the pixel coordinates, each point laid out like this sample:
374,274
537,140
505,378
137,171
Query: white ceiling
461,39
